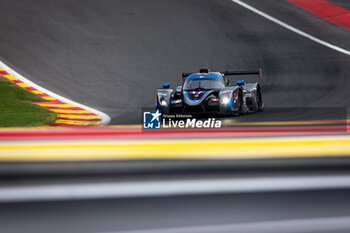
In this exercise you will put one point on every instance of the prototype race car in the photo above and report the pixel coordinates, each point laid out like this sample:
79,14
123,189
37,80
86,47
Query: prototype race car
211,92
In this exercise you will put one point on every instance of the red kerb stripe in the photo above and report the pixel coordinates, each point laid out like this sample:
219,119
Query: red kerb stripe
97,132
60,108
17,81
30,89
326,10
50,102
77,119
78,114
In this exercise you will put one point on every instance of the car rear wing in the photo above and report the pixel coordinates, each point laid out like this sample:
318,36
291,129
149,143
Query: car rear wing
245,72
228,73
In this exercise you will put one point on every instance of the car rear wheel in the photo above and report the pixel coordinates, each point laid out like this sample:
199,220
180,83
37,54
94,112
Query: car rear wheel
259,100
241,103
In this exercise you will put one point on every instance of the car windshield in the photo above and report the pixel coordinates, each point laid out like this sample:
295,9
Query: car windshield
204,83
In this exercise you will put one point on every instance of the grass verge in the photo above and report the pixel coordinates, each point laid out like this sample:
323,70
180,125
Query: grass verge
17,109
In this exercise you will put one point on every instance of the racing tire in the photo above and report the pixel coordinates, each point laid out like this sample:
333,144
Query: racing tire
241,103
259,100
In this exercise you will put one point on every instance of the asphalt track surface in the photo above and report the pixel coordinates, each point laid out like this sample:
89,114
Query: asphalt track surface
112,55
212,212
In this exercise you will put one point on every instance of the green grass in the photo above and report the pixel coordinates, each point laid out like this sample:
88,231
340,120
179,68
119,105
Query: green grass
17,109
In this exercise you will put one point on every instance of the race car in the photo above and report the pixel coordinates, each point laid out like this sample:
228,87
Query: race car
211,92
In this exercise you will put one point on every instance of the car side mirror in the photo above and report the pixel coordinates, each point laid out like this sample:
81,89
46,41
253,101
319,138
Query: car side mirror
178,88
240,82
166,85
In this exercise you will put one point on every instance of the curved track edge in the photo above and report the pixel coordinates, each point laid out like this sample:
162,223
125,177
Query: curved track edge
69,112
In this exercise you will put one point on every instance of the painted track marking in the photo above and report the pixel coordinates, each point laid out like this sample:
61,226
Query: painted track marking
291,28
326,10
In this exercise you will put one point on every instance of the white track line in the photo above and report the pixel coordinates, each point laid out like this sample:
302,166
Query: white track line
105,119
293,29
286,226
169,188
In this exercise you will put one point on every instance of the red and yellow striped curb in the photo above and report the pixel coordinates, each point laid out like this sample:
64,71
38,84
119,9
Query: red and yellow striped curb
67,114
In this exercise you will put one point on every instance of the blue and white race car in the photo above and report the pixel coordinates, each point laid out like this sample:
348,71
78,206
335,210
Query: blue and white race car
211,92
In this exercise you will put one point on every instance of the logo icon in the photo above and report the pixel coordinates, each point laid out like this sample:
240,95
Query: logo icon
151,120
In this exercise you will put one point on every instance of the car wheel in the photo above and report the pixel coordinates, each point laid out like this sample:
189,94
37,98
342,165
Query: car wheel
259,100
241,103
